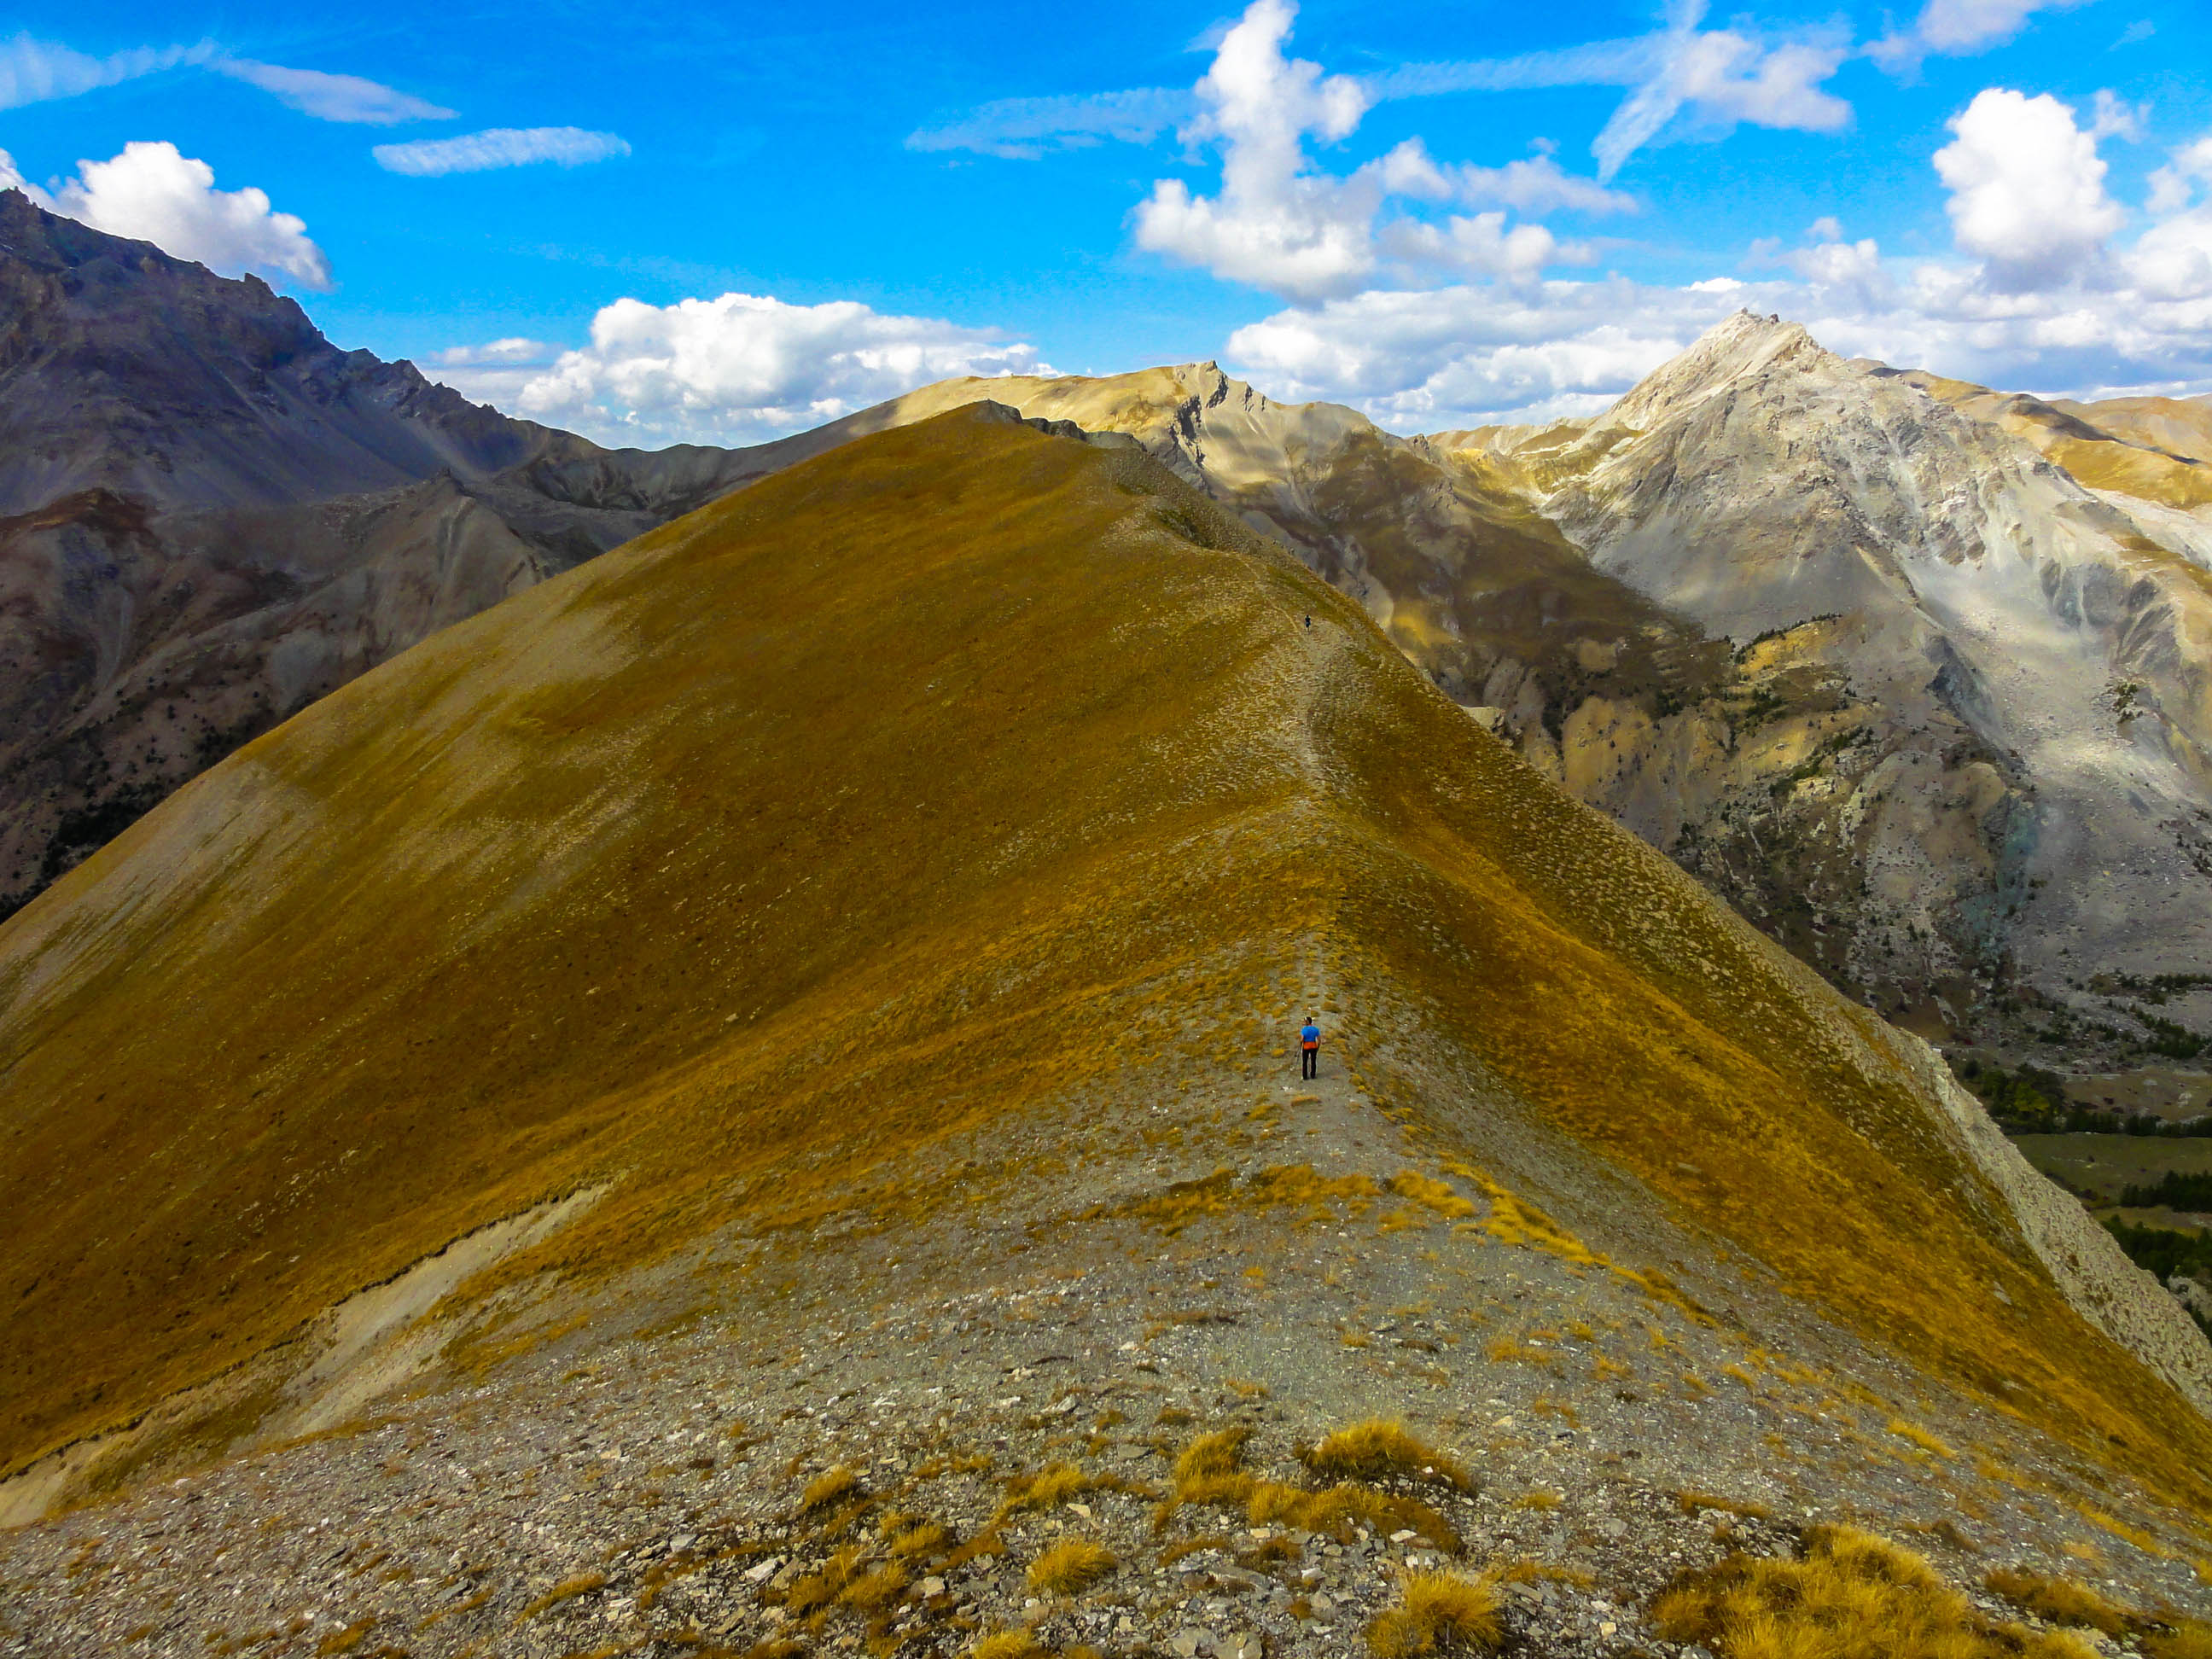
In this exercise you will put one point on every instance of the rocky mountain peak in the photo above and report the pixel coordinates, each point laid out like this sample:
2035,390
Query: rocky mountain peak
1747,349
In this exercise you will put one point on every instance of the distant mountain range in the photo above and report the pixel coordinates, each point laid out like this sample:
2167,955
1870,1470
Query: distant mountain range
1917,674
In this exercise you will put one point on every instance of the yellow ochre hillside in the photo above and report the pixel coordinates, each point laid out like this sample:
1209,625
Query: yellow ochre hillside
935,784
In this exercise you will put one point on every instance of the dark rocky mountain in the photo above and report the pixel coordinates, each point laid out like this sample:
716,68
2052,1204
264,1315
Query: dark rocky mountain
210,516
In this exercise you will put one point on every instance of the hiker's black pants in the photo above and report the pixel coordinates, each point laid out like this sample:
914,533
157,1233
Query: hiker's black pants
1312,1063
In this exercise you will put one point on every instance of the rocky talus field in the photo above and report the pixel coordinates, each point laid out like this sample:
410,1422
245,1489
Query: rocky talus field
741,1103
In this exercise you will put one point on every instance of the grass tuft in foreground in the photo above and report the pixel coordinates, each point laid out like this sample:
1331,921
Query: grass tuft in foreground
1210,1470
1070,1566
826,1489
1368,1450
2062,1601
1437,1613
1048,1488
1850,1596
2189,1640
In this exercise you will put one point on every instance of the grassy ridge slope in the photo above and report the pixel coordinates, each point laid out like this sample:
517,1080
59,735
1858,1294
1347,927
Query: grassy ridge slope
736,868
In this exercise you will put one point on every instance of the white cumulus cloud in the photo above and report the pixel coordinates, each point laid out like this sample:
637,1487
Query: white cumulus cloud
1538,185
2028,190
347,98
737,369
1277,223
1283,223
499,147
2041,293
153,192
2173,184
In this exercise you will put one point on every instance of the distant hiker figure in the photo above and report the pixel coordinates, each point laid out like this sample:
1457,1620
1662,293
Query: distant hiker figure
1309,622
1309,1048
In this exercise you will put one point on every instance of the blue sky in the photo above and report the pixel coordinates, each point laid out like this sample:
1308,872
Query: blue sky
658,223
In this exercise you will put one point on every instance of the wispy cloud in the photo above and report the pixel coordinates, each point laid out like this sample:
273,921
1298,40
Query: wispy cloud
34,72
1596,63
1958,28
1681,79
331,97
1022,128
499,147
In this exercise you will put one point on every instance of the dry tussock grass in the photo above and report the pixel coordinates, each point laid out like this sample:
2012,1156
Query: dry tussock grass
1008,1644
2187,1640
876,1589
1070,1566
1211,1471
1850,1596
582,1584
2061,1600
824,1586
1048,1488
1437,1613
1297,1186
828,1487
1274,1504
1692,1500
1914,1434
921,1540
1370,1451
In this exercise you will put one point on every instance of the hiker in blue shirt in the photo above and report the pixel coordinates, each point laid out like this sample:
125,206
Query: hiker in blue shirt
1309,1046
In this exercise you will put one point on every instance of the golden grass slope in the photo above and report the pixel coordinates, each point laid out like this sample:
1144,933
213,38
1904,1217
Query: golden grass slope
735,869
2156,449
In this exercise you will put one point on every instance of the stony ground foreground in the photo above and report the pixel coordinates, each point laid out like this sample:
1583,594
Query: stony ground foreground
833,1442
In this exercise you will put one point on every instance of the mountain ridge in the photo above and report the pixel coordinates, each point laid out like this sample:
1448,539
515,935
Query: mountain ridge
1804,733
728,1005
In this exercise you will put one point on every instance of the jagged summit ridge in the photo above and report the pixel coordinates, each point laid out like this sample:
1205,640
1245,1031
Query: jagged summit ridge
1735,354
